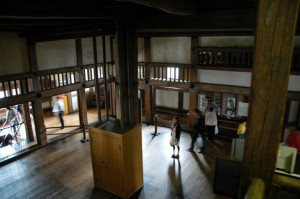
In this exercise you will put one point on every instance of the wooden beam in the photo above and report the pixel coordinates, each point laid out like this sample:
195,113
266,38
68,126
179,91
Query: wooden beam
60,90
19,99
37,108
179,7
275,32
231,21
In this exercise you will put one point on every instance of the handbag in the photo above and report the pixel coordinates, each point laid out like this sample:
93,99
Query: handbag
199,142
216,129
172,141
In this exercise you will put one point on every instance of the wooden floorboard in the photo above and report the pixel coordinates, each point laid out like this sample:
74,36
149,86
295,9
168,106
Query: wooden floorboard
63,170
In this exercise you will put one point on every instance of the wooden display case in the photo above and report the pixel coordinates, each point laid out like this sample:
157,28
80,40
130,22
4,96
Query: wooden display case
117,159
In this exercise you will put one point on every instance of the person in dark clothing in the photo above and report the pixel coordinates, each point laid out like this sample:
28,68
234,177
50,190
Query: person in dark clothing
196,124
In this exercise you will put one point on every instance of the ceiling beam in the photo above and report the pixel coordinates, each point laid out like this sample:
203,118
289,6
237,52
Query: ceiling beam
178,7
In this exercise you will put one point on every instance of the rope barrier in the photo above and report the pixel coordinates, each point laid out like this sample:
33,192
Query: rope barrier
83,140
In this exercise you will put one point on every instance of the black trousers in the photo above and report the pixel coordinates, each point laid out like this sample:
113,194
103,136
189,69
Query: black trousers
194,136
211,132
61,119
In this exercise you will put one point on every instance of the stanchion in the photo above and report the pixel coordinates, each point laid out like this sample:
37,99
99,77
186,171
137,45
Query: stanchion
84,140
155,123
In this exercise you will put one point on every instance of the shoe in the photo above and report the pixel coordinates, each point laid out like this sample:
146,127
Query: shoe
190,150
201,150
177,156
173,156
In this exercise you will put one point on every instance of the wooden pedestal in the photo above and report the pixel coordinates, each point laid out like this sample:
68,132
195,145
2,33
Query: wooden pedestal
117,160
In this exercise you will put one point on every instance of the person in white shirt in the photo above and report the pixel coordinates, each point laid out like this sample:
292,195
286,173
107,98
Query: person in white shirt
210,123
59,109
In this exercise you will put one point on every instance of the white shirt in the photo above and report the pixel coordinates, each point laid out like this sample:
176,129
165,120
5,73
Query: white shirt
58,107
210,119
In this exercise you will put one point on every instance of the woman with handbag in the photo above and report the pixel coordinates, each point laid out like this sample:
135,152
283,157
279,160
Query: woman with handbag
175,136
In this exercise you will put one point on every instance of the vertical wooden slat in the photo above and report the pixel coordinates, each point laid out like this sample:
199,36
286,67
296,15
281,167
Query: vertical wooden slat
16,87
9,89
275,33
26,85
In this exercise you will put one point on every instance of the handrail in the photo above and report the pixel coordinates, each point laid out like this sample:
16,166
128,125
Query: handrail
256,189
289,183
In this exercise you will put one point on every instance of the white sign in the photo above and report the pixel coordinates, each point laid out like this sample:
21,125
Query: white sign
243,109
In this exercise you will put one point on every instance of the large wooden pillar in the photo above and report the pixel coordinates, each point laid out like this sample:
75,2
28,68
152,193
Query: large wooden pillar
81,96
274,41
147,87
193,77
37,102
126,75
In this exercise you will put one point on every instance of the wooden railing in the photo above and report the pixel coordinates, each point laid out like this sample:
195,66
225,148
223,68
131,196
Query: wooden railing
141,70
89,71
164,71
57,78
226,57
14,85
256,189
22,84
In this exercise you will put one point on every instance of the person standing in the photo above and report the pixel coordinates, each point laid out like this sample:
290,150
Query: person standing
196,124
210,123
175,136
242,129
59,109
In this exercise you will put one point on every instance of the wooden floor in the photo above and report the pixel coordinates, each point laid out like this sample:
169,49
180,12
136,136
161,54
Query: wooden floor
63,170
53,131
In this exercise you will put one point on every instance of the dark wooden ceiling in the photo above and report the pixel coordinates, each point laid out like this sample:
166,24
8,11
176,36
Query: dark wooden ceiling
34,17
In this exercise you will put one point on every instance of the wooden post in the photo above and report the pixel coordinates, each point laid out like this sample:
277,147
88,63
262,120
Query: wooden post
126,75
97,86
105,76
27,122
81,96
37,102
147,87
275,32
193,78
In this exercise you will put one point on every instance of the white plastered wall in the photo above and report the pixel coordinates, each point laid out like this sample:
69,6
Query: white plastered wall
13,54
88,52
171,49
56,54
